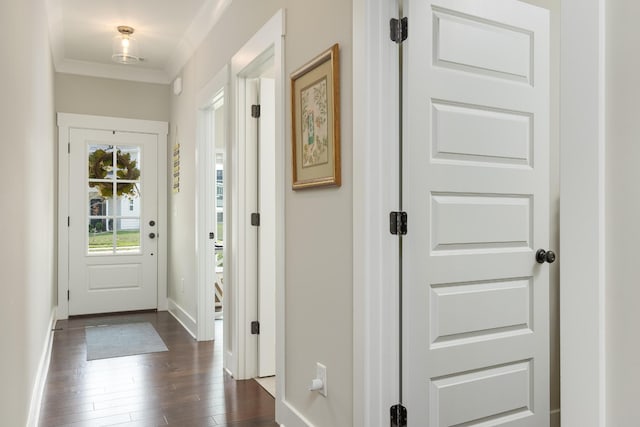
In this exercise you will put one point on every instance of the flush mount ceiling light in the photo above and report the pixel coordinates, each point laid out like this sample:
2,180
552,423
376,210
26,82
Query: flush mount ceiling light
125,48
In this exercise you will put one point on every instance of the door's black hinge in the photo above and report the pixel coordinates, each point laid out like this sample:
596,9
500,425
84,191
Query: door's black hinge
68,221
255,328
255,219
398,223
68,148
398,416
212,236
255,111
68,295
399,29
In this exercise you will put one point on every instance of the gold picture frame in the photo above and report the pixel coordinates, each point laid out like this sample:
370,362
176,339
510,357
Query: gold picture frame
315,121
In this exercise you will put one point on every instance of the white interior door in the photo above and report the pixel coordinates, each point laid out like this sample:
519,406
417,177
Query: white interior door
261,239
475,302
267,231
113,205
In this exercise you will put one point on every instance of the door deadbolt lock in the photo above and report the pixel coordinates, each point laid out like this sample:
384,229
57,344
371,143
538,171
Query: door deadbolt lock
152,223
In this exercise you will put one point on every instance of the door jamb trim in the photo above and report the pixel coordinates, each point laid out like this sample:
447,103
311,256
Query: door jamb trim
205,197
375,184
583,194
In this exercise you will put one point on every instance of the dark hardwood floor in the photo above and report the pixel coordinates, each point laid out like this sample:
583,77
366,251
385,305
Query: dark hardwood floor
185,386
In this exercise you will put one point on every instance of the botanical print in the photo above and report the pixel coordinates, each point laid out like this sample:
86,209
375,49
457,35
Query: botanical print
315,124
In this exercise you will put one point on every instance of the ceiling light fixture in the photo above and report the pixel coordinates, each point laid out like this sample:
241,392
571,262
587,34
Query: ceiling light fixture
125,48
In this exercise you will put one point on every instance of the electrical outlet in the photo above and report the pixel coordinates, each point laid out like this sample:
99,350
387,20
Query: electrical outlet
321,374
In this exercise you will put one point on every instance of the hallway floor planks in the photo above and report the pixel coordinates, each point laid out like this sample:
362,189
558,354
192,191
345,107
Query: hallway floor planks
185,386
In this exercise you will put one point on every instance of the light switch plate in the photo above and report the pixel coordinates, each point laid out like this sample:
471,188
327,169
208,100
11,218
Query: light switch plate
321,374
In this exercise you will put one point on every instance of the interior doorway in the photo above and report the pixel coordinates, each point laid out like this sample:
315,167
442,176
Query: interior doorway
234,185
371,283
256,217
260,58
211,207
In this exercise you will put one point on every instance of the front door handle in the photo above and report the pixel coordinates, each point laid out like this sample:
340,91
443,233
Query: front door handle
543,256
152,235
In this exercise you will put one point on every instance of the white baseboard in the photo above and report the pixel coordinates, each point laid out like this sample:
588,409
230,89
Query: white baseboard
41,375
184,318
287,415
555,418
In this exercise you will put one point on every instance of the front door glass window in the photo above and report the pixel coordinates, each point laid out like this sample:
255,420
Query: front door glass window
114,199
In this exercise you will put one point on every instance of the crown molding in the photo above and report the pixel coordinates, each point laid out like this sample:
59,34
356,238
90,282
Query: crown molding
112,71
204,21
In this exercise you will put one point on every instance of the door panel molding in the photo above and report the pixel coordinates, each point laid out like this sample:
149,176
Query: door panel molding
68,121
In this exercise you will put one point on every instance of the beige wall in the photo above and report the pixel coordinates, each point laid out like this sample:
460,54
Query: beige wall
182,205
319,258
622,213
27,222
318,306
109,97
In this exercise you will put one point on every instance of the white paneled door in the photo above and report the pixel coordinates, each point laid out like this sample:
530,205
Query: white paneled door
113,203
267,230
261,184
475,300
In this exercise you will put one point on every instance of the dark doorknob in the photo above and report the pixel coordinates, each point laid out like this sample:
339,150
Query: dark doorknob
152,235
543,256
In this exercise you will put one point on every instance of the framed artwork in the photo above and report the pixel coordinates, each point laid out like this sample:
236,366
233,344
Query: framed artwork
315,118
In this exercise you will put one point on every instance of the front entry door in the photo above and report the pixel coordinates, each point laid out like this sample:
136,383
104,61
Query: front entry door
475,301
113,195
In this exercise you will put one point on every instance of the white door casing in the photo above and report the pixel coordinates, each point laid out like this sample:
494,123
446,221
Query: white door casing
268,42
475,303
375,194
117,277
71,123
209,131
584,216
263,53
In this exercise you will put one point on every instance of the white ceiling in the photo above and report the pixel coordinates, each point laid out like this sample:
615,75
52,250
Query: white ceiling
168,32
